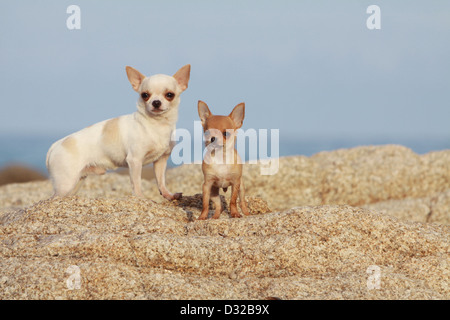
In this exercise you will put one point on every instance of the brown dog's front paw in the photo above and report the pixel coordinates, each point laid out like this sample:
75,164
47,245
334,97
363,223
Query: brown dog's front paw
235,214
203,215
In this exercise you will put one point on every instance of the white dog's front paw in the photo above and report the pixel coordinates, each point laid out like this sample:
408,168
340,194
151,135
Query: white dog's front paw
169,196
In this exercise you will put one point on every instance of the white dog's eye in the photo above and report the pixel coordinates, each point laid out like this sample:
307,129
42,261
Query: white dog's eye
145,96
170,96
226,134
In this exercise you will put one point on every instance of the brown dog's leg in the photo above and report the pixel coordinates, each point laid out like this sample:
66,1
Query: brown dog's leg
206,194
242,199
215,197
234,195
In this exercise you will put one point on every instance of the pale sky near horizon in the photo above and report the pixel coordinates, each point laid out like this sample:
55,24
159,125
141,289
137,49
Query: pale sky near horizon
308,68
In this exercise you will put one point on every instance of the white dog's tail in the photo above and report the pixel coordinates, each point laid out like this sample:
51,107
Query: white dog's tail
48,155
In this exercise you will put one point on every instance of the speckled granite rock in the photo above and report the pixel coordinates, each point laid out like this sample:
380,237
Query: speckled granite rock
306,237
434,208
134,248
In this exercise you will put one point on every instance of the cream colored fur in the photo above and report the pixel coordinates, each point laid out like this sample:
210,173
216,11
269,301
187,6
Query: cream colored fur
131,140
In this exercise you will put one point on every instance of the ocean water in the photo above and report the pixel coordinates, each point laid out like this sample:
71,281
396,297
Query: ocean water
31,150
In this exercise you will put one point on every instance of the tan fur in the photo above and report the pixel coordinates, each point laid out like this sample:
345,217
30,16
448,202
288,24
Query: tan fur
70,144
93,170
111,133
222,166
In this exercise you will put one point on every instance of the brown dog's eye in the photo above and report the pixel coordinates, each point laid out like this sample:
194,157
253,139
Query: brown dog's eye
145,96
170,96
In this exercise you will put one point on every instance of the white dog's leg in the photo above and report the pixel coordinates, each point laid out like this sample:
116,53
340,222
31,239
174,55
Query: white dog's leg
159,167
66,184
135,167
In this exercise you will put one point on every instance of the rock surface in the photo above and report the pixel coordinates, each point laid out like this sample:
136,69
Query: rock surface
362,223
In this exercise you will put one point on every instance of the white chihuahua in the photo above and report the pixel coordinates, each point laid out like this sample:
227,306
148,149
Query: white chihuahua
131,140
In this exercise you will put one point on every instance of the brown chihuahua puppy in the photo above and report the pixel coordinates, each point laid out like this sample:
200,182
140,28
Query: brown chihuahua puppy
222,166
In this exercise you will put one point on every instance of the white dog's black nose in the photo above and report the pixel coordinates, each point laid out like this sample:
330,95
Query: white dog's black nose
156,103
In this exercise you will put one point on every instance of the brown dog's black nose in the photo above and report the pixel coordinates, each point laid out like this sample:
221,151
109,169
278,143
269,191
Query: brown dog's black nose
156,103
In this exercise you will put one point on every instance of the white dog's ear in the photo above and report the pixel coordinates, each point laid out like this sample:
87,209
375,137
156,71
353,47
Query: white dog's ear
238,114
135,77
182,76
203,112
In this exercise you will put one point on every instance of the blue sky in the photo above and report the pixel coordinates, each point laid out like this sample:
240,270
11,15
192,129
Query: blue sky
308,68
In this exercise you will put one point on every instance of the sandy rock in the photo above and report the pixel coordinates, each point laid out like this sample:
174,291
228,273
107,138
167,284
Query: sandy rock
132,248
308,236
371,174
357,176
435,208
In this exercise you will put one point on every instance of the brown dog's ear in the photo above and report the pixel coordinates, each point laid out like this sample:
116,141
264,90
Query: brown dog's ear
135,77
238,114
182,76
203,112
